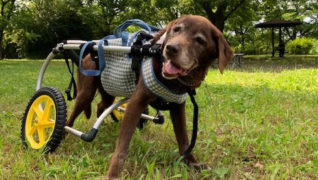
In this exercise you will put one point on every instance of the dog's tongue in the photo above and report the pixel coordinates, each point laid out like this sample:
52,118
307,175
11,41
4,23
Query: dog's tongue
171,69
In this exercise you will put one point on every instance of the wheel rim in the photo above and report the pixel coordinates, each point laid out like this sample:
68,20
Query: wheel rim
117,114
40,121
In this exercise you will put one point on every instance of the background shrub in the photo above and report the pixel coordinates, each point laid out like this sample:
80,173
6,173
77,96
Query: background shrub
300,46
314,50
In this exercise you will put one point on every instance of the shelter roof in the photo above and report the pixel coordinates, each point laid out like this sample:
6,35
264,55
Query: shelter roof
278,23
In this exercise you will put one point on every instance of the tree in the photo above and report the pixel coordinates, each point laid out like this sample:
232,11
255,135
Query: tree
41,24
219,11
6,12
240,25
52,22
110,9
32,27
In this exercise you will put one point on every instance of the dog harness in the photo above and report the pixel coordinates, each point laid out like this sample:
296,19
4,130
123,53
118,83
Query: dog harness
156,87
118,79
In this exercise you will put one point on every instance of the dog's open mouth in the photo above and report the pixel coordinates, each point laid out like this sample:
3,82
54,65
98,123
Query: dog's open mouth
172,71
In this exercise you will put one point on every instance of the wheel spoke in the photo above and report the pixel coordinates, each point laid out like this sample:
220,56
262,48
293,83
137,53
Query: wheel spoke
47,125
47,111
38,112
41,135
33,129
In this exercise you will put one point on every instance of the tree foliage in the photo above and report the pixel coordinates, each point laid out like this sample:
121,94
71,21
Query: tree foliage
6,12
300,46
32,27
220,11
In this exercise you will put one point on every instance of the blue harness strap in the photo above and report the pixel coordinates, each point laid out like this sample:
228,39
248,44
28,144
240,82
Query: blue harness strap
89,72
119,32
101,57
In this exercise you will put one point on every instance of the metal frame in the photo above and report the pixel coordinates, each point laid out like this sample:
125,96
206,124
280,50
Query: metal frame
76,45
73,45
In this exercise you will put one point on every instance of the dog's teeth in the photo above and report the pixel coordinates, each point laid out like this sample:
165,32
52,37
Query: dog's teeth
167,77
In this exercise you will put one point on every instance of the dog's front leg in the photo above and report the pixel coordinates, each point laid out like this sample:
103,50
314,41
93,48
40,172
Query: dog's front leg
177,114
138,102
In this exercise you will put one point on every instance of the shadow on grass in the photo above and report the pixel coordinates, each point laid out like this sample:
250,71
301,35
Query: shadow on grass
259,105
268,121
259,124
276,64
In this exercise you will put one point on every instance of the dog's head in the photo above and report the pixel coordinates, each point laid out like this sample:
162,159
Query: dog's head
192,42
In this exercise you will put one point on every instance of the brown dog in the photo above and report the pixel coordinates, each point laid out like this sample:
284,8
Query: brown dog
190,46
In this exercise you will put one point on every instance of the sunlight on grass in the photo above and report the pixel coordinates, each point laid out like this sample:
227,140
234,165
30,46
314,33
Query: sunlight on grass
259,123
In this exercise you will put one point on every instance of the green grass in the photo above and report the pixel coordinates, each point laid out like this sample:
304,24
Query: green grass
260,123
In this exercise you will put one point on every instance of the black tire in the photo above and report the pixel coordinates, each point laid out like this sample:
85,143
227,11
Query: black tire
141,123
114,118
57,135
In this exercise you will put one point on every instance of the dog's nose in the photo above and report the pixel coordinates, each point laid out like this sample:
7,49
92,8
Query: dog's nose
172,49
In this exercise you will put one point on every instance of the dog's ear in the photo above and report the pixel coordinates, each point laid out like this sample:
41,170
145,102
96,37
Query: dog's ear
164,30
225,52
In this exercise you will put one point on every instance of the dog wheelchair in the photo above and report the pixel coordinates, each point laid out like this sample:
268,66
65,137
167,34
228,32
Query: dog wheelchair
43,123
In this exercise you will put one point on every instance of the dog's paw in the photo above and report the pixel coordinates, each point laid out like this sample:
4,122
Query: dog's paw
200,166
193,162
110,178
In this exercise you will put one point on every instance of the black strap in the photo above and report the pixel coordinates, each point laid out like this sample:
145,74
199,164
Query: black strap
93,53
136,53
195,123
72,82
135,66
139,50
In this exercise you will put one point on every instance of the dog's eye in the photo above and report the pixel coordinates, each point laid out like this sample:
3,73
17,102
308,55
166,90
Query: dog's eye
176,29
200,40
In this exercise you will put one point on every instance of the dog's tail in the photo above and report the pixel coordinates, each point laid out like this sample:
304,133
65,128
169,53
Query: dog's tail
72,55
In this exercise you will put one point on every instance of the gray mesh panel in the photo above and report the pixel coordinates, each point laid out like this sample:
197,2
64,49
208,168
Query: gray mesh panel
117,78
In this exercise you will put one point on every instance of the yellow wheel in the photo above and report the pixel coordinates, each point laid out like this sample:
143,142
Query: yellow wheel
118,115
44,119
40,121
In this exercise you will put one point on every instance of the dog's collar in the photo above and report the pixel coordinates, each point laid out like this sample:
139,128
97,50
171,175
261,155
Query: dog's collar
153,84
190,85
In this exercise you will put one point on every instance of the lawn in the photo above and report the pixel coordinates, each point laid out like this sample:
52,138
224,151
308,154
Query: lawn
255,122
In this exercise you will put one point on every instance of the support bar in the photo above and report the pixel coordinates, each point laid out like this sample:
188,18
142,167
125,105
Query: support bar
124,49
93,131
42,71
143,116
73,131
74,45
108,111
75,42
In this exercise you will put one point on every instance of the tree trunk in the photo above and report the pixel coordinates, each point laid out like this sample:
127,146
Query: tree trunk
219,23
1,49
243,44
219,17
7,18
216,18
273,43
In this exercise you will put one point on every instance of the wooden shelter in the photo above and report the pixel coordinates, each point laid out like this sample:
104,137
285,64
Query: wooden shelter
278,24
